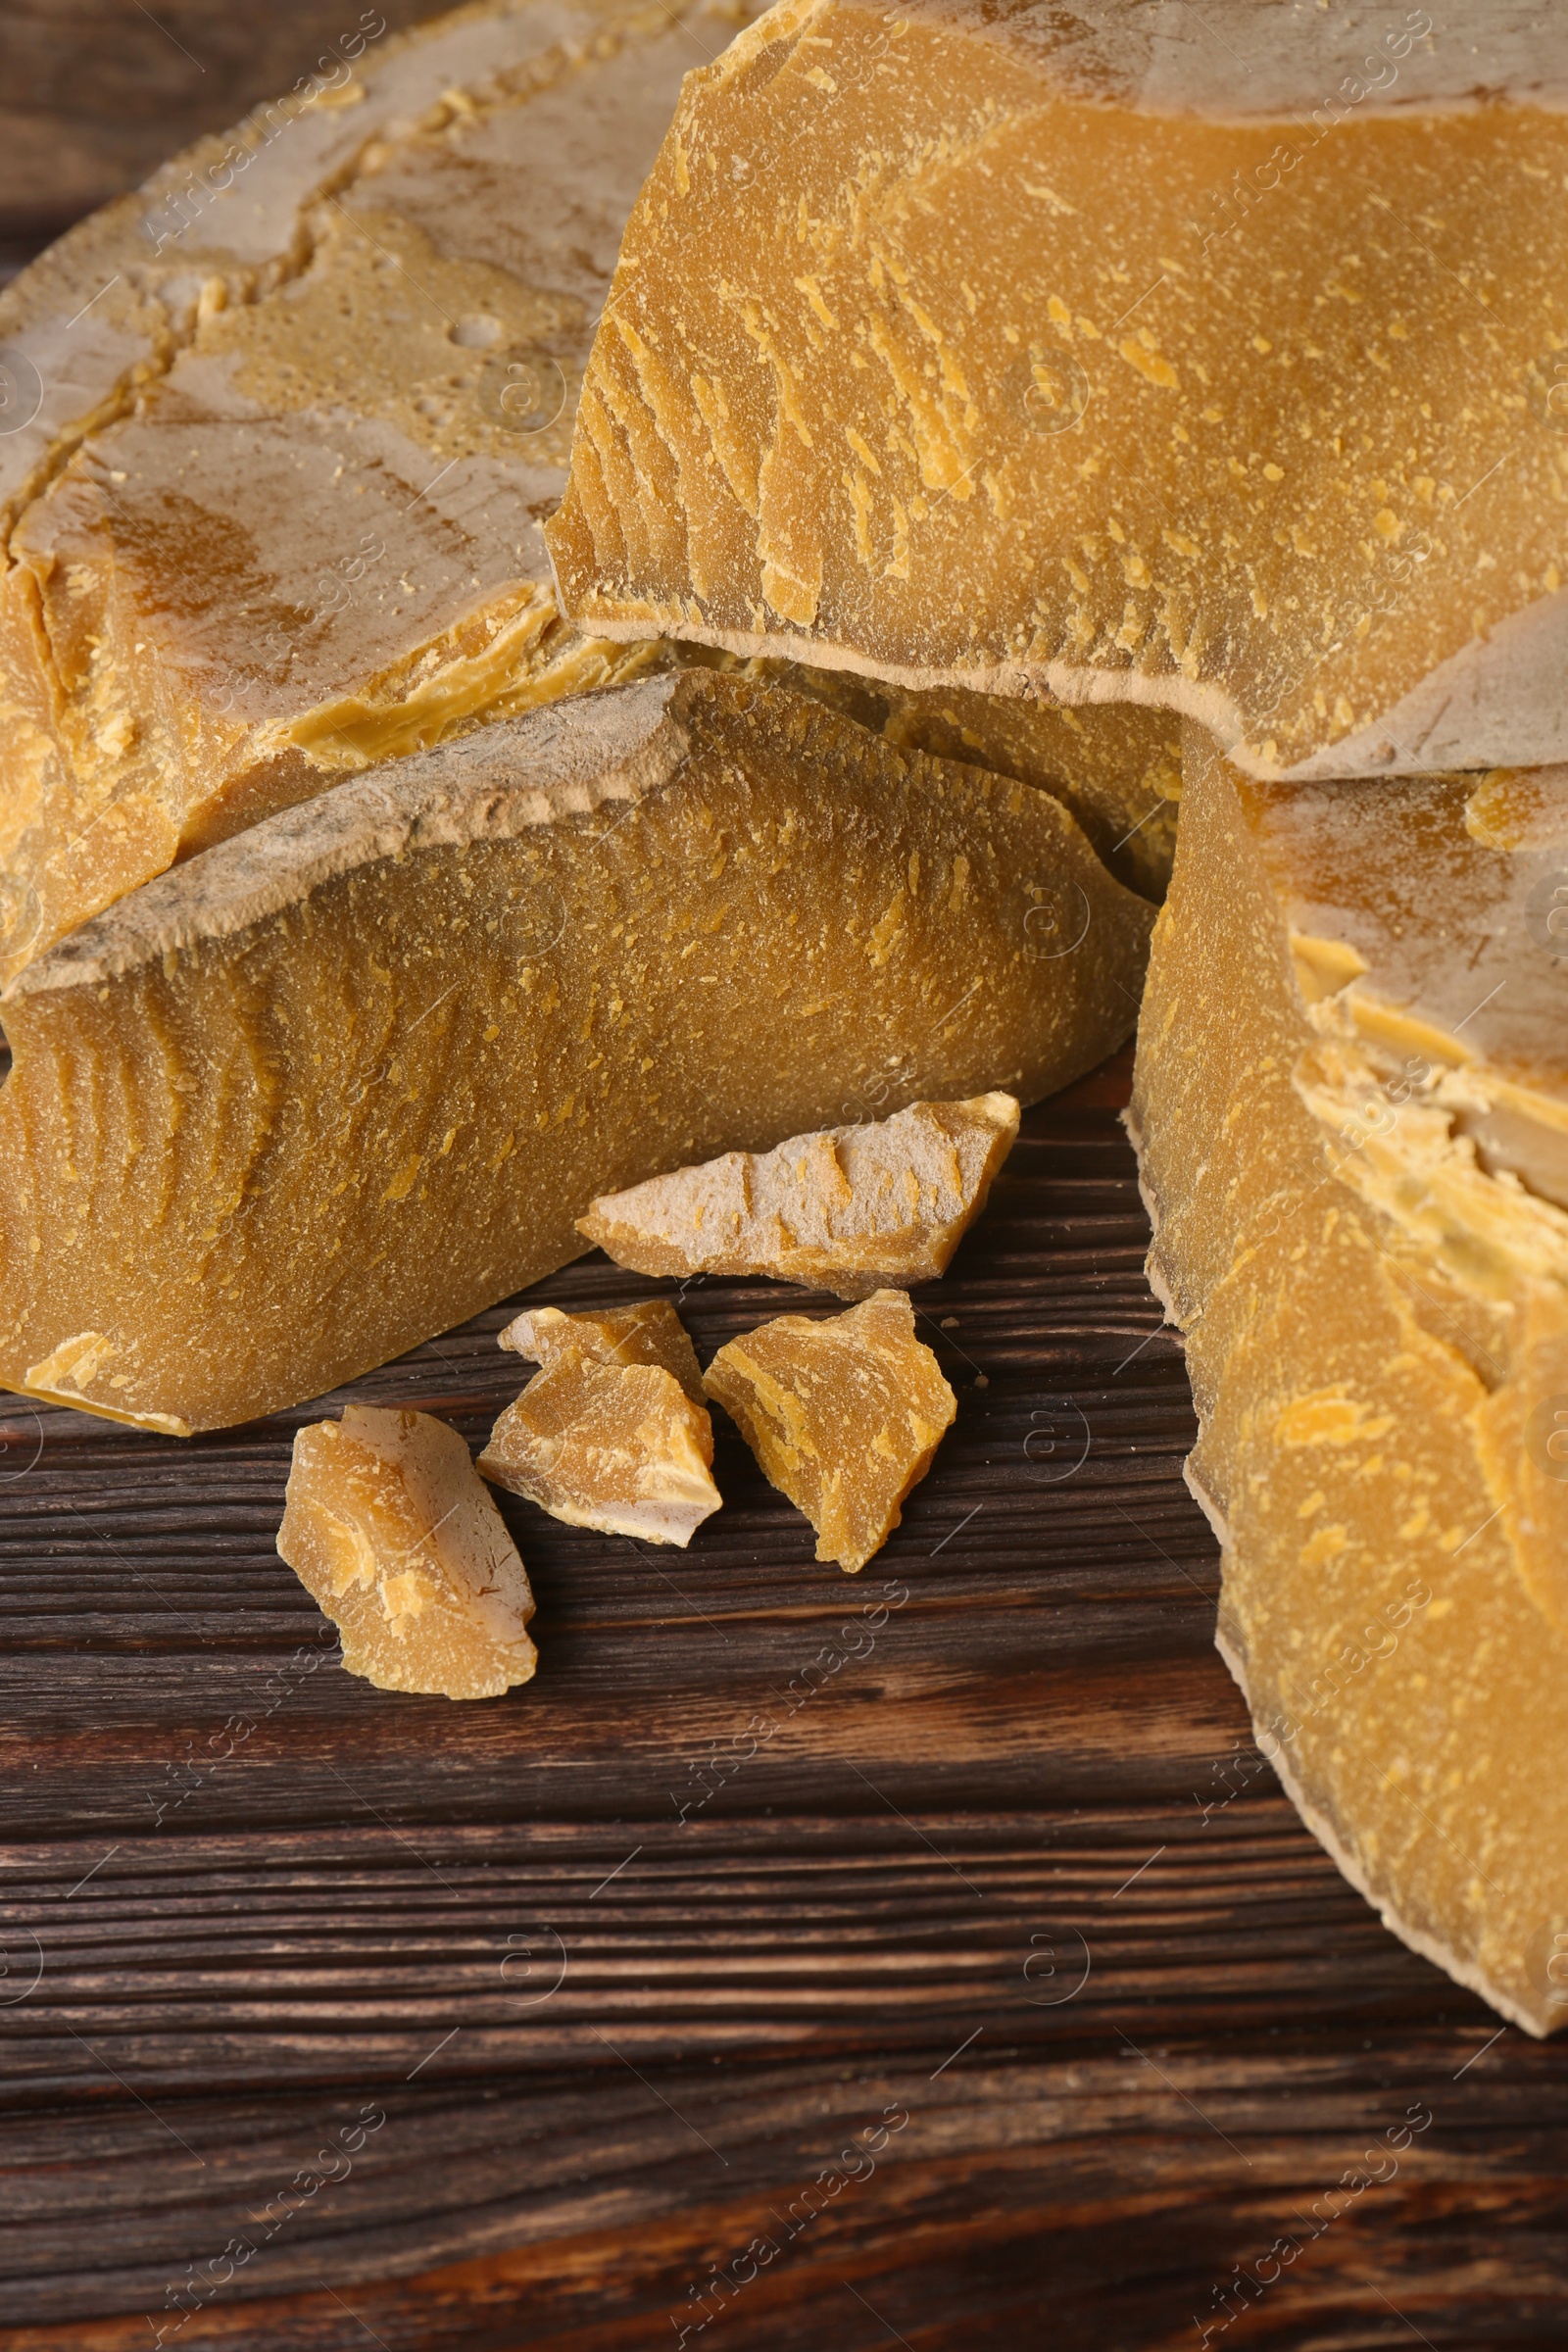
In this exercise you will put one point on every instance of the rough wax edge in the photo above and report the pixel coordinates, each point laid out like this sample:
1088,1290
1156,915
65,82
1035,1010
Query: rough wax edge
1461,1972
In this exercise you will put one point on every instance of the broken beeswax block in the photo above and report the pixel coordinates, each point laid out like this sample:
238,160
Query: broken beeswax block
848,1209
109,306
1351,1106
334,1086
845,1416
393,1532
312,540
1029,357
613,1433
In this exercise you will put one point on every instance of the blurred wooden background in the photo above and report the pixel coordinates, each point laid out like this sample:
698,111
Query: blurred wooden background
95,93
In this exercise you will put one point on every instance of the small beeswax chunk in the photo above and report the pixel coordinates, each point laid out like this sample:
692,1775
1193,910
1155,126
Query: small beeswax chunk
649,1333
845,1416
390,1529
613,1433
848,1209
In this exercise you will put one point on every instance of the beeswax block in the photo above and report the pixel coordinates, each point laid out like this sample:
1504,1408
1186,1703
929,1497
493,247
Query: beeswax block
334,1085
1106,354
1351,1106
291,526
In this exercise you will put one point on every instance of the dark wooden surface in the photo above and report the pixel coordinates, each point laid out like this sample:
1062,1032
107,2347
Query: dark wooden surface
970,1878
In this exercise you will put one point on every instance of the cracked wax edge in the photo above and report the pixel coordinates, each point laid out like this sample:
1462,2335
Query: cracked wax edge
1462,1972
623,744
1501,702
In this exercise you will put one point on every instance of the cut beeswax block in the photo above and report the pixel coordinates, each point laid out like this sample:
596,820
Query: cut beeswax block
1351,1106
849,1209
391,1530
335,1085
310,539
845,1416
1097,354
613,1433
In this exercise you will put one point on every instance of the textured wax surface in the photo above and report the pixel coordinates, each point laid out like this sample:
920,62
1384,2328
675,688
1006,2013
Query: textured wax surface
226,215
995,374
845,1416
1115,765
1377,1329
332,1086
309,540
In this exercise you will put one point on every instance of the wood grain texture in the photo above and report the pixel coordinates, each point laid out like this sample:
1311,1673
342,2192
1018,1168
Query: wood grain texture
629,1959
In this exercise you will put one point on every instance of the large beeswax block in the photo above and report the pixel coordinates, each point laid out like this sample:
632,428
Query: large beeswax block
612,1432
390,1528
309,540
334,1085
852,1209
845,1416
1351,1106
1106,352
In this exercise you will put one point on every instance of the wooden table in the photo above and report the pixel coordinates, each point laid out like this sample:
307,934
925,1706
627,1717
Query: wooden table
923,1957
